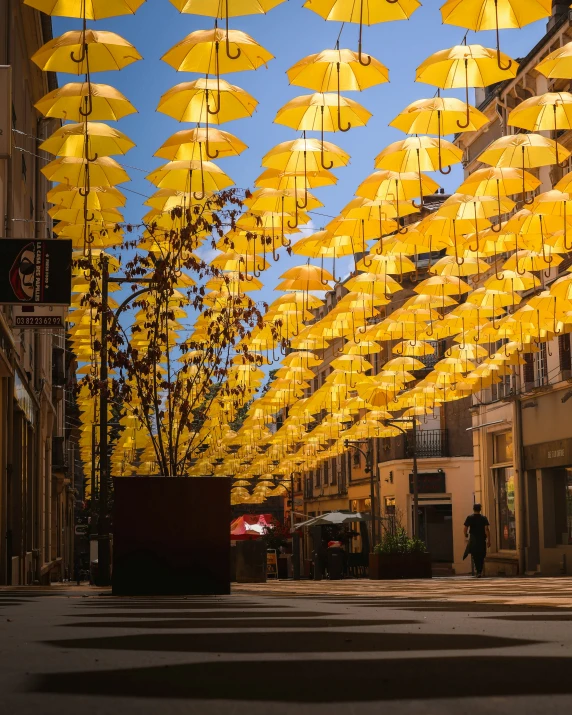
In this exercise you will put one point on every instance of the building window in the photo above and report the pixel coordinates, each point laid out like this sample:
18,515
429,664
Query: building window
357,458
564,353
541,366
334,467
502,448
326,473
390,506
506,513
318,477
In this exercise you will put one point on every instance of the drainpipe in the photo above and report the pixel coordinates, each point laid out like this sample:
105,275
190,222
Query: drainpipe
522,529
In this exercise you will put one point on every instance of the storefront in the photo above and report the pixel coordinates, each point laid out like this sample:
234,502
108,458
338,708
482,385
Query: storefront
549,474
445,487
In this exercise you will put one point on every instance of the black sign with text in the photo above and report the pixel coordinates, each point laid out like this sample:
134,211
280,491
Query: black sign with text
429,483
35,272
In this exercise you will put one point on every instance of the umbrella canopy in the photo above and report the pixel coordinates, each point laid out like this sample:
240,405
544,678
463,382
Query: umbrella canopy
335,517
107,51
88,9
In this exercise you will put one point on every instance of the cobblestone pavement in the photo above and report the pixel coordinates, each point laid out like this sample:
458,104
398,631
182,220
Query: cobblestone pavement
455,646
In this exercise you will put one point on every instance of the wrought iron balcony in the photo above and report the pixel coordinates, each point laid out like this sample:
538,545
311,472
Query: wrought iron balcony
430,443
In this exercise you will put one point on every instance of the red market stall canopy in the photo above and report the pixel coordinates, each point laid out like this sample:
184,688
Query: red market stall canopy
249,526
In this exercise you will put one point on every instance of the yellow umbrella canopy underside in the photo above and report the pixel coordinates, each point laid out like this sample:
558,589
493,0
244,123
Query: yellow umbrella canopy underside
220,8
93,9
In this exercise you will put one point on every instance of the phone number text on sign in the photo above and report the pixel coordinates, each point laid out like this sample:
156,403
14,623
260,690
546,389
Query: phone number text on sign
40,321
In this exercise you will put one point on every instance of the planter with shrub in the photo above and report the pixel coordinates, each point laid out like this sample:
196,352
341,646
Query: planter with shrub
397,556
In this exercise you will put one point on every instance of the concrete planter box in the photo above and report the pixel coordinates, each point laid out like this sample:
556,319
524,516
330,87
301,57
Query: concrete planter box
386,567
250,562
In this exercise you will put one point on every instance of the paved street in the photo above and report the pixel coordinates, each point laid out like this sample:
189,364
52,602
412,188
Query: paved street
451,645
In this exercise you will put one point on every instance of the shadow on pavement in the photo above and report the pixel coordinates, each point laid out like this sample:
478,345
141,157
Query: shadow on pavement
250,615
295,642
245,624
329,681
178,605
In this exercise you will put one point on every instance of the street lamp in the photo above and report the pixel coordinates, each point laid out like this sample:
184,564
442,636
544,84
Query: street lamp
295,535
354,444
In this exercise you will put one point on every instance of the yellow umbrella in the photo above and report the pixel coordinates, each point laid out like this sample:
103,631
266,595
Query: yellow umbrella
465,66
558,64
186,145
334,70
200,52
99,197
69,53
191,102
91,139
397,187
439,115
322,112
299,153
76,101
524,151
494,15
499,182
226,9
368,12
77,216
548,112
104,171
190,176
276,179
87,9
418,154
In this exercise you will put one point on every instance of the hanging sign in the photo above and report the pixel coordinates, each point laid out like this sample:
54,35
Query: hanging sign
5,111
39,316
35,272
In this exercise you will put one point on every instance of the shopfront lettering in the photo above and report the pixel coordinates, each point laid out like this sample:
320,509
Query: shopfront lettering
555,453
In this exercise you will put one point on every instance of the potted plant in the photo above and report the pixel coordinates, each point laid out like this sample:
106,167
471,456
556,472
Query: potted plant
399,556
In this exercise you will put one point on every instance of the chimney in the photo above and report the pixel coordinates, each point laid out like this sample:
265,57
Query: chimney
560,9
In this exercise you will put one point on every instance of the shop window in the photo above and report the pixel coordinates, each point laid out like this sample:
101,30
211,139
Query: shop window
564,353
502,448
558,505
506,512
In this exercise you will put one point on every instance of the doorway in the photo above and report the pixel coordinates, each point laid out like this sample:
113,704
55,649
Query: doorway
436,530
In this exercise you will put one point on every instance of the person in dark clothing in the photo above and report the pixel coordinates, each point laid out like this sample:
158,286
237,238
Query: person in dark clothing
478,532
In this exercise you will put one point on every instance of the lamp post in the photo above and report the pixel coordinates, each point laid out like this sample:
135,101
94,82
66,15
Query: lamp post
393,423
354,444
295,535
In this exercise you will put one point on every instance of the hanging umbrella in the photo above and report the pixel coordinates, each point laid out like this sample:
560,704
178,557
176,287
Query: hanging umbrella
494,15
99,197
225,9
104,171
195,176
368,12
465,66
200,52
186,145
90,139
69,53
88,9
418,154
276,179
440,116
76,100
321,112
548,112
196,102
558,64
337,70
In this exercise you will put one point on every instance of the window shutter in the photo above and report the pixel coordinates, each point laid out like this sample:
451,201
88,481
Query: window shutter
564,352
528,367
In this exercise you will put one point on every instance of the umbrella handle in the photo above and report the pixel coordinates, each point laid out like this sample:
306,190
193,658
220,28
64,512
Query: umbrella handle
327,168
239,52
499,59
84,47
340,106
468,118
360,54
566,246
420,205
207,150
448,169
304,204
290,224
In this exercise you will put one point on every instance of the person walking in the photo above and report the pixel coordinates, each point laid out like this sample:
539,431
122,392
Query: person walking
478,532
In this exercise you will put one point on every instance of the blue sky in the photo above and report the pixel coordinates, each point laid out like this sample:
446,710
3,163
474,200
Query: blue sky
289,32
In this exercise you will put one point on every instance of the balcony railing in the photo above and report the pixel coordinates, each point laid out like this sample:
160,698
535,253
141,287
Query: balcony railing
430,443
